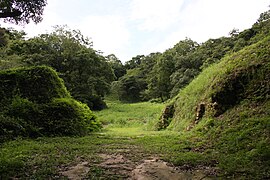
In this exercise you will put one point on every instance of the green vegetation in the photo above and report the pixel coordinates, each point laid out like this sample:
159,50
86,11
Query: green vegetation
34,102
234,125
130,115
216,117
25,158
189,150
39,84
86,73
20,11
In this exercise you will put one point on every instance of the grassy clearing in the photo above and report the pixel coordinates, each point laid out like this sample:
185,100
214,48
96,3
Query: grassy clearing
44,158
130,115
214,145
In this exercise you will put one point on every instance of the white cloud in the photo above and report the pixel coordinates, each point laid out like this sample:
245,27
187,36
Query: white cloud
128,28
211,18
155,14
109,33
205,19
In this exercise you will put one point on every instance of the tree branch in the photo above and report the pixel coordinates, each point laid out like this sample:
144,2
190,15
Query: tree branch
10,14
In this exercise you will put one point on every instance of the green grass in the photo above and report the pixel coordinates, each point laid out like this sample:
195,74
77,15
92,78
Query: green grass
252,62
43,158
130,115
214,144
235,145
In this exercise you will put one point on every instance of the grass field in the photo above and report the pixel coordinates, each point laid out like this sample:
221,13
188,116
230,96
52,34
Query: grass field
126,127
126,134
143,115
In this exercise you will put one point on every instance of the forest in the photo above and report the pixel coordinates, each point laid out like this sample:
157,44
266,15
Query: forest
203,108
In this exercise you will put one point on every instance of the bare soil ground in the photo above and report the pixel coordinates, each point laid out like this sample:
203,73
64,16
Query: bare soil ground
124,161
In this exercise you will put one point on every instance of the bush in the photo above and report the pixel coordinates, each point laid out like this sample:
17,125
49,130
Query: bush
39,84
61,117
96,103
10,127
34,102
67,116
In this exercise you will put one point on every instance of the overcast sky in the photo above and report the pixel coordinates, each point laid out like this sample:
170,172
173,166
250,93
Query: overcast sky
128,28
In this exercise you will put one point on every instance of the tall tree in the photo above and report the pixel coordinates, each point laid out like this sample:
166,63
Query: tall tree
165,67
117,66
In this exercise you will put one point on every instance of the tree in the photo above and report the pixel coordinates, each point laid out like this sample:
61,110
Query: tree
134,62
129,88
165,67
265,16
117,66
3,38
86,73
132,86
22,11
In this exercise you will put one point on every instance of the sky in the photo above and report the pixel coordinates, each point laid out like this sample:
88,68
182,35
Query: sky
128,28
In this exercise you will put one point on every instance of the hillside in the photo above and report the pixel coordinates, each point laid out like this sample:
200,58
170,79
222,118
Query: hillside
226,111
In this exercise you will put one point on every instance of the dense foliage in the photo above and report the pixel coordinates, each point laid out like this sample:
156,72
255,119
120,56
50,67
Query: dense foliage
39,84
34,102
22,11
86,73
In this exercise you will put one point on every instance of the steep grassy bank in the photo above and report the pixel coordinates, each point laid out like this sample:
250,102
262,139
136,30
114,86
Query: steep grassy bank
225,111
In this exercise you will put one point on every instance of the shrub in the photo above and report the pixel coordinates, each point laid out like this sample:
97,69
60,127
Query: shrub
10,127
34,102
39,84
66,116
96,103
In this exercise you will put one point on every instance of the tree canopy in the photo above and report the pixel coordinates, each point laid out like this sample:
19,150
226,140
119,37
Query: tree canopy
22,11
161,76
87,74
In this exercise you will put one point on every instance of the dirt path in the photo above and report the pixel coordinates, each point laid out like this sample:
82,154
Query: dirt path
118,167
124,161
